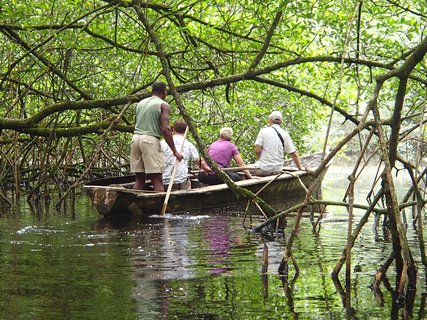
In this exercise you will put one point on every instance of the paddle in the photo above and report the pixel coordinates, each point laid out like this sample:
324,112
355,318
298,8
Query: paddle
168,192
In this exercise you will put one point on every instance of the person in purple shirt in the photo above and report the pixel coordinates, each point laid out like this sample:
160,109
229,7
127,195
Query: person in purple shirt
222,152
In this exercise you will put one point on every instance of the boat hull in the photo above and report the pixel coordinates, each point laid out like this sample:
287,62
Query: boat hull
114,196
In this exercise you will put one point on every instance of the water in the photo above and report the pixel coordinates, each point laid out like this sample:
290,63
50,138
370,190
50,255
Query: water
57,265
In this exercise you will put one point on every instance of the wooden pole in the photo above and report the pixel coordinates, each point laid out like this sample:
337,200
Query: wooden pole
168,192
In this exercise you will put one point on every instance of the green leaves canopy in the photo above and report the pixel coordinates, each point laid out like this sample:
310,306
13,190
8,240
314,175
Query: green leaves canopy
68,67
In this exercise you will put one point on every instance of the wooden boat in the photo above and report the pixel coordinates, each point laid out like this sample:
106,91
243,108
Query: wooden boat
115,196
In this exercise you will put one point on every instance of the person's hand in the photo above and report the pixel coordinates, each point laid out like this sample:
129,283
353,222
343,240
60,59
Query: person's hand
207,170
178,156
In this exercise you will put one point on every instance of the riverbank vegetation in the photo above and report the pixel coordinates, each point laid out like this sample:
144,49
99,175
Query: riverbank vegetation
348,76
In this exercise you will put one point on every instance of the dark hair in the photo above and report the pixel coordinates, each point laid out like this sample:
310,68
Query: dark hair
159,87
180,125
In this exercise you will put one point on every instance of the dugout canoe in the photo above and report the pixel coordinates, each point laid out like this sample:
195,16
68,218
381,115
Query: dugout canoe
115,196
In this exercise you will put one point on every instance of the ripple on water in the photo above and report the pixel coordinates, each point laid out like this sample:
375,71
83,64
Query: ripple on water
182,266
37,230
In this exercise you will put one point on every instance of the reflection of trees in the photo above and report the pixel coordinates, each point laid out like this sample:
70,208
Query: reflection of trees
350,312
319,255
288,289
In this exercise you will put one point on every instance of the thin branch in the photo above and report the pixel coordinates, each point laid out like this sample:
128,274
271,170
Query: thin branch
267,40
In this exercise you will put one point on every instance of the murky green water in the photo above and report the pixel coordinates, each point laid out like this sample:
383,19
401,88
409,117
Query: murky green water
57,265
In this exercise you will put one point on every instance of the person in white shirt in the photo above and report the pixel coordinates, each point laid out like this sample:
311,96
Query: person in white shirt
270,145
189,152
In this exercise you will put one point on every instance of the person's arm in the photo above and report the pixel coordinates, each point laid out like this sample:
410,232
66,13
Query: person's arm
241,164
166,130
204,166
258,150
296,160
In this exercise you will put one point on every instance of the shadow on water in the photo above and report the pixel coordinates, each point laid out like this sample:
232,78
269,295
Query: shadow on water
59,265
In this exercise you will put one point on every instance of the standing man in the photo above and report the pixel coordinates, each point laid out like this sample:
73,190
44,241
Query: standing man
270,145
152,121
189,152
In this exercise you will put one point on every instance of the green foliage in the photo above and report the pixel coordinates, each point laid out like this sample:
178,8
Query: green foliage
76,51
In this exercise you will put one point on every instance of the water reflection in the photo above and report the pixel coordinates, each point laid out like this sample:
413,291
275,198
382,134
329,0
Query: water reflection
59,265
167,252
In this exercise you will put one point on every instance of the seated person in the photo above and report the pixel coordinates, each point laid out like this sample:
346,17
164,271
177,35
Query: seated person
189,152
271,144
222,151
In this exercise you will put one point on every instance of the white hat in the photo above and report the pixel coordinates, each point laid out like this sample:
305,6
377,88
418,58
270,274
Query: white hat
276,115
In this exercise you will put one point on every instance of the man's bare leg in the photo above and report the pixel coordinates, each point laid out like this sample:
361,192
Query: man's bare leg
156,180
139,181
